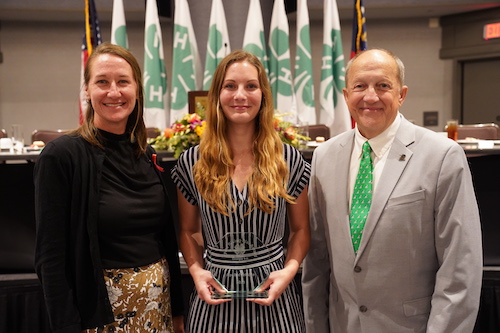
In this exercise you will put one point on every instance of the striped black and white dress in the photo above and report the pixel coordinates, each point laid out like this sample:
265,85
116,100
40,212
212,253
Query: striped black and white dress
285,314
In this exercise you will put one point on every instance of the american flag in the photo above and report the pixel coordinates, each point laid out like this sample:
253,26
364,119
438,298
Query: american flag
91,38
359,39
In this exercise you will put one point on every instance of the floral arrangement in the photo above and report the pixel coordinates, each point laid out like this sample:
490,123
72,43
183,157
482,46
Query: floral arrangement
288,133
186,133
181,135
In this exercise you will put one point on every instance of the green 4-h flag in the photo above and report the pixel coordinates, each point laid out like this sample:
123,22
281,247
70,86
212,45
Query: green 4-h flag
218,42
254,40
304,86
155,76
118,26
334,111
280,75
186,66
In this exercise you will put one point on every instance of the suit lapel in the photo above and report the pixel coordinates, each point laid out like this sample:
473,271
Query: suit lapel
397,160
341,176
333,167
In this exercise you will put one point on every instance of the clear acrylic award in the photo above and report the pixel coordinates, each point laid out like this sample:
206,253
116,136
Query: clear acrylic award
240,265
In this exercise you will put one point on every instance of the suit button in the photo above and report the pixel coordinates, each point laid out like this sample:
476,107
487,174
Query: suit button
363,308
357,269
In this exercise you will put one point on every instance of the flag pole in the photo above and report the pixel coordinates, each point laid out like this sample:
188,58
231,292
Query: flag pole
359,36
87,28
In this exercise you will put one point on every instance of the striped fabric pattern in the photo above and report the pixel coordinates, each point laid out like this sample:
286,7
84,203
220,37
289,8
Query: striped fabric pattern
285,314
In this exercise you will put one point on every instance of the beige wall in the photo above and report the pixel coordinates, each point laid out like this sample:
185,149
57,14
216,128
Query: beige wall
40,73
428,77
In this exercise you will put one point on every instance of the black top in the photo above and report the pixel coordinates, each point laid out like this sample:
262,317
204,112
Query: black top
68,178
131,206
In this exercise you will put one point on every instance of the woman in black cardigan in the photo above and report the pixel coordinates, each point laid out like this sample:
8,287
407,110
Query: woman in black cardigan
106,250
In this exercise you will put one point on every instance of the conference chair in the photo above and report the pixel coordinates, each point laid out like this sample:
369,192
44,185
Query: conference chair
319,130
152,132
487,131
46,135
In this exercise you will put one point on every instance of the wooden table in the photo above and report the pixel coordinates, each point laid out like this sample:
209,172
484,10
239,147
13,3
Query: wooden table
27,156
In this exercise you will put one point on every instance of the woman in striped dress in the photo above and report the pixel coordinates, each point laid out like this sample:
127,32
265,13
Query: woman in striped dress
235,191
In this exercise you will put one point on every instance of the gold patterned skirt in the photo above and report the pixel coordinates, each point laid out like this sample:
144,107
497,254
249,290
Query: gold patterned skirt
140,299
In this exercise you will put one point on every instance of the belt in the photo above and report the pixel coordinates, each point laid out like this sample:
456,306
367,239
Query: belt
243,252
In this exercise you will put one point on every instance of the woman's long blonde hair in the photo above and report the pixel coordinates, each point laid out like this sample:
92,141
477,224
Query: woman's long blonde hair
212,172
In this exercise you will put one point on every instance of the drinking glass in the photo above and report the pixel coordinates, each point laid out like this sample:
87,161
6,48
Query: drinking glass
452,129
17,138
303,129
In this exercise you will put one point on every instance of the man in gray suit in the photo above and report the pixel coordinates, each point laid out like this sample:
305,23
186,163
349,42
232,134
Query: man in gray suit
418,264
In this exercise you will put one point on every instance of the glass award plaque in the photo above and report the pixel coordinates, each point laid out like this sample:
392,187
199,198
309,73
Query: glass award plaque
240,265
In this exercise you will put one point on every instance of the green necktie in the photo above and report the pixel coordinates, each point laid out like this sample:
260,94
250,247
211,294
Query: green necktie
361,196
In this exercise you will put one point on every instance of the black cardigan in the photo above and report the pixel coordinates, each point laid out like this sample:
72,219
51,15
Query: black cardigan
67,178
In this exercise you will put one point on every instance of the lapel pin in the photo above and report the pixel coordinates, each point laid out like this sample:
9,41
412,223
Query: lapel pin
402,157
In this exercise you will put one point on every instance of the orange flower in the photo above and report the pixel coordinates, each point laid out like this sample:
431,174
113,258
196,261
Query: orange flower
168,132
193,117
276,123
290,133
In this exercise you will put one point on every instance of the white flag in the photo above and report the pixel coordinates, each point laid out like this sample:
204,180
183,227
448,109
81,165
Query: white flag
334,112
186,65
280,74
155,76
254,40
118,26
218,41
304,86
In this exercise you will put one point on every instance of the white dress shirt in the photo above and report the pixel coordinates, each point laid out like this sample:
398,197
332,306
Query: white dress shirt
380,146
